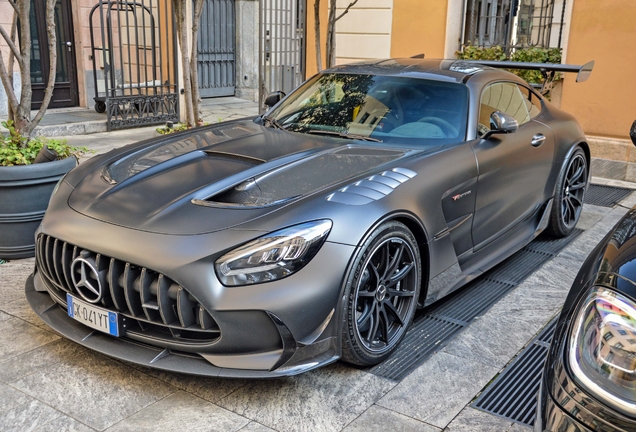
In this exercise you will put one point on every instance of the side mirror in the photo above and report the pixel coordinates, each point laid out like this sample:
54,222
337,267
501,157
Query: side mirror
273,98
501,123
632,132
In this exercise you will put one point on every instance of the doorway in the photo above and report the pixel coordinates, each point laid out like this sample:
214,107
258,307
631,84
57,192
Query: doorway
216,47
65,92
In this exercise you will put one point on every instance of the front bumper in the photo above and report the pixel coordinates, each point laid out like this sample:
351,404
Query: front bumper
302,359
552,417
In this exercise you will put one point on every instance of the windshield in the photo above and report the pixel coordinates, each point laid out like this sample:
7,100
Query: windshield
386,108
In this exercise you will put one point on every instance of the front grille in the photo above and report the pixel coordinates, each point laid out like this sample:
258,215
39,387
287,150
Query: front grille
158,306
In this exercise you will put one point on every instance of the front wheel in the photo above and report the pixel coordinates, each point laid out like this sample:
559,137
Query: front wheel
382,290
570,192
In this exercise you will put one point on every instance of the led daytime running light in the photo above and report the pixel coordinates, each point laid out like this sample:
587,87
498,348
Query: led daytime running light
273,256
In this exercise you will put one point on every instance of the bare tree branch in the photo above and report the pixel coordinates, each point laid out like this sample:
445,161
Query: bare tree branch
7,38
13,5
8,86
48,93
347,9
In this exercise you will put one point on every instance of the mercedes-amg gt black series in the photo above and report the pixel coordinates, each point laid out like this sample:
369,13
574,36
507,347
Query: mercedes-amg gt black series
274,245
589,379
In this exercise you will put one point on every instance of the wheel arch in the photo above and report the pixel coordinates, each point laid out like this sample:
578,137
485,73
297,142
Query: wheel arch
416,226
588,155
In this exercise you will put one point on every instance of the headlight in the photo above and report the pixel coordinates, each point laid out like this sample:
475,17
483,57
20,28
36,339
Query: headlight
602,351
273,256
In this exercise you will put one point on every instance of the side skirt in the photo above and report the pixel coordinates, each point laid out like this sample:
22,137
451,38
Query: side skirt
473,264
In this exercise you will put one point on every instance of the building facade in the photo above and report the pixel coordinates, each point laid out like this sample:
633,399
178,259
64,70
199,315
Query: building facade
127,51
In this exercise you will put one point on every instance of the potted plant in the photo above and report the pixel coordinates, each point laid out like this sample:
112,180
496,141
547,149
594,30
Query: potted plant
25,186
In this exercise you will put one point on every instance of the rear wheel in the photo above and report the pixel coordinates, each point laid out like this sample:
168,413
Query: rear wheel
570,192
381,293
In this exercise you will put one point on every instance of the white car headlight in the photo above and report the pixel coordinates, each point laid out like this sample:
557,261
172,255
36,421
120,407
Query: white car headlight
602,350
273,256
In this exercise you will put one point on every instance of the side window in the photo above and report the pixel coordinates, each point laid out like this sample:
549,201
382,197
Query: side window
504,97
532,101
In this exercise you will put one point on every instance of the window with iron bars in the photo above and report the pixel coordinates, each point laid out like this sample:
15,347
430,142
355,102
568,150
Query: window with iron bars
513,23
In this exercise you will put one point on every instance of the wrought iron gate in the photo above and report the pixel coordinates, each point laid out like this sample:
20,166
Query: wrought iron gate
216,45
282,46
134,62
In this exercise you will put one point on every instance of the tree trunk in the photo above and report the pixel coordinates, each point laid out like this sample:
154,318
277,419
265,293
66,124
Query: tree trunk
317,31
20,109
14,30
23,112
180,15
196,96
330,55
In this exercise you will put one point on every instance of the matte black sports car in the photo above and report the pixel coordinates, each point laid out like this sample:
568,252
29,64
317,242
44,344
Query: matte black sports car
274,245
589,380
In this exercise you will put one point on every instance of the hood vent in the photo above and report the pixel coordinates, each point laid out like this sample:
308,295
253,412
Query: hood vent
303,177
234,157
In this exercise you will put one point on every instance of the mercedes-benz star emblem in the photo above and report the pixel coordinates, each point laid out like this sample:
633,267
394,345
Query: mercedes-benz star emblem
88,286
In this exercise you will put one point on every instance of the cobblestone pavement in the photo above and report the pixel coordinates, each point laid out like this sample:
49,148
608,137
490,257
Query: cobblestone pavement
49,384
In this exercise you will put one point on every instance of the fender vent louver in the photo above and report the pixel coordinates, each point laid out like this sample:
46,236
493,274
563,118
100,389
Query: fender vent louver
234,157
372,188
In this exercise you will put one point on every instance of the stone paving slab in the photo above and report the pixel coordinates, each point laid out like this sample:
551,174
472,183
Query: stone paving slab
439,389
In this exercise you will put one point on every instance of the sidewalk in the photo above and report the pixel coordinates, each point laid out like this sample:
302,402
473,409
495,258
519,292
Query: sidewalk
81,125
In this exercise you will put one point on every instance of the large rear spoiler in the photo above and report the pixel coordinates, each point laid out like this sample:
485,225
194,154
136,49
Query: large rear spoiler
548,70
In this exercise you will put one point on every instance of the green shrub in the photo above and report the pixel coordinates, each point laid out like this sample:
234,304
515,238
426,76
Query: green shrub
534,55
177,127
16,149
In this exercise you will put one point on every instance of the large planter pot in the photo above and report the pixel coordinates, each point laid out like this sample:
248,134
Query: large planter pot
25,191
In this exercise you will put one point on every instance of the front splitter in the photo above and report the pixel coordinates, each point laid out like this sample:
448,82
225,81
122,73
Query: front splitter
134,352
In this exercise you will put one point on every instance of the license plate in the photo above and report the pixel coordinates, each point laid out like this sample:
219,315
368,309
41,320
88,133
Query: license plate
93,316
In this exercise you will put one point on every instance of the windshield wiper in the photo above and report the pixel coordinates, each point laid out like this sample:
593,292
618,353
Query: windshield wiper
272,122
344,135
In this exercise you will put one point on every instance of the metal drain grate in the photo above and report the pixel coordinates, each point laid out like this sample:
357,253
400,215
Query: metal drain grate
435,326
513,394
605,196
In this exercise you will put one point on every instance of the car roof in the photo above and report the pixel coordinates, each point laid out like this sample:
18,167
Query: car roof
435,69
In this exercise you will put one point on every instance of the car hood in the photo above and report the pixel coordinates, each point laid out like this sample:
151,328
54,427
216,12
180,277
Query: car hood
219,177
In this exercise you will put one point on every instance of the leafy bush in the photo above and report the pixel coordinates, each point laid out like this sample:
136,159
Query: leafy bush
168,129
481,53
178,127
16,149
534,55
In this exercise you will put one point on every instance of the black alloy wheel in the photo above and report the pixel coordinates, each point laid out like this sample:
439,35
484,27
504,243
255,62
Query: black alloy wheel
382,295
568,201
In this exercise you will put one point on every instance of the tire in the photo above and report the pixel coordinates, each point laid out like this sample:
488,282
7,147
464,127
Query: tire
380,308
569,195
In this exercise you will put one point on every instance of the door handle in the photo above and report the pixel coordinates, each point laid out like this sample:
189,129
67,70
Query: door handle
69,44
537,140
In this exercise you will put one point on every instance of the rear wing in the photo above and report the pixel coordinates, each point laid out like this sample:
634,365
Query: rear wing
548,70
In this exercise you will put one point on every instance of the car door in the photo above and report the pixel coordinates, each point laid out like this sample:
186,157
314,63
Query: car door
513,168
